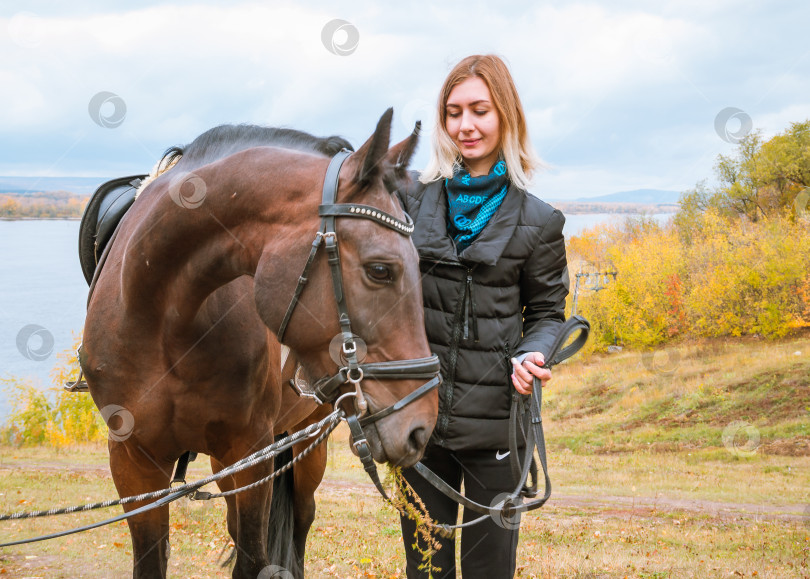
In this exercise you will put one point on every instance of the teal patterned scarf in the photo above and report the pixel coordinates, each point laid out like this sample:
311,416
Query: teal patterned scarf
472,201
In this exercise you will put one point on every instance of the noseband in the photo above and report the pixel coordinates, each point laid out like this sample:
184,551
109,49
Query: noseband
327,390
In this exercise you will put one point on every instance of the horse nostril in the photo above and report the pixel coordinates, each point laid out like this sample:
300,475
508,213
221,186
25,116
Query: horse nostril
418,439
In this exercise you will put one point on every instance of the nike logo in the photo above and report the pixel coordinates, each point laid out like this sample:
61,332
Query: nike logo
499,456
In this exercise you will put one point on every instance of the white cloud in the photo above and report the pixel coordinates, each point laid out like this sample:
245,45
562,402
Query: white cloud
621,93
774,122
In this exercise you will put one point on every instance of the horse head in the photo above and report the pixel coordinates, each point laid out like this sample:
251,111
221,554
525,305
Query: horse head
382,291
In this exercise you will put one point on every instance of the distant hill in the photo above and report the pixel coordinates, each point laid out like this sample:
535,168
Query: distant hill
638,196
25,185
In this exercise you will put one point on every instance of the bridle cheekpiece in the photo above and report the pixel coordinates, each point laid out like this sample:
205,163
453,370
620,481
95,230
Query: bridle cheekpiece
327,390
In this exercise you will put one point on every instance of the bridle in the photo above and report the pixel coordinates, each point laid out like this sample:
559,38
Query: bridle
327,390
525,415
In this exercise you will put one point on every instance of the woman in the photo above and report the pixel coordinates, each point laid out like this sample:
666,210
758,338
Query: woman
494,283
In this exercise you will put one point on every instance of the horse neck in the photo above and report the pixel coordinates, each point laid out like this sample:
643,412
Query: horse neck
175,261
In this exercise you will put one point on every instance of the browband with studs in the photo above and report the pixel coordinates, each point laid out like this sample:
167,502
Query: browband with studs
367,212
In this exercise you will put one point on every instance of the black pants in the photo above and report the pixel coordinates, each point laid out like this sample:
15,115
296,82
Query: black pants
488,548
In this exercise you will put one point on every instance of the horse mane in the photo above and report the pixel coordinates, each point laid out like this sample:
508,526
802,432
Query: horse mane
225,140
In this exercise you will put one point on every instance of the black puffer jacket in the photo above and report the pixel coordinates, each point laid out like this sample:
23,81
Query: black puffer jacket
503,296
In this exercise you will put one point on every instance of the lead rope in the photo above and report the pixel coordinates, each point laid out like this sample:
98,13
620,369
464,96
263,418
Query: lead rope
535,438
166,496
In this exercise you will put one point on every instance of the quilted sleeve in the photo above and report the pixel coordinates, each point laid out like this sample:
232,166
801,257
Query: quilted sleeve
544,287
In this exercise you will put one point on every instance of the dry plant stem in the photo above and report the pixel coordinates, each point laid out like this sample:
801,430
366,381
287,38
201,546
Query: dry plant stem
409,505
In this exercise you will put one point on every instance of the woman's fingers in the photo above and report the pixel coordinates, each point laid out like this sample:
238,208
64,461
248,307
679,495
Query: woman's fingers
523,374
543,373
520,386
521,371
522,379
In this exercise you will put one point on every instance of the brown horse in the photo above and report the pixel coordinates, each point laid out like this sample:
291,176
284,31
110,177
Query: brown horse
180,337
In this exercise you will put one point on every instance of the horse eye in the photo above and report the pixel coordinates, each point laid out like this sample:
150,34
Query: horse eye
379,272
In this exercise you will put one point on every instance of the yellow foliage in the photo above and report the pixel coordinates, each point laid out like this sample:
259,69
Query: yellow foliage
63,419
732,278
747,279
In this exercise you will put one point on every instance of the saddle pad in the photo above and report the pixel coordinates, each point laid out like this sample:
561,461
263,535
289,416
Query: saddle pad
101,216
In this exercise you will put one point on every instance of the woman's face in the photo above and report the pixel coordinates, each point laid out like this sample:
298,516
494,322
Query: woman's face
473,124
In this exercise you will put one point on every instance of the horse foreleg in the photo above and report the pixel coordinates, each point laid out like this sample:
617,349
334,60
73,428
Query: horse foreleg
226,484
307,475
248,514
135,472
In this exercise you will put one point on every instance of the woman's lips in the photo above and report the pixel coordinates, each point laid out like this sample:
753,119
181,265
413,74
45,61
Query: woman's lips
471,143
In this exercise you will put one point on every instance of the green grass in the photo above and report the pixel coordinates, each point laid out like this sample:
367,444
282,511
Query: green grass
620,403
356,535
643,485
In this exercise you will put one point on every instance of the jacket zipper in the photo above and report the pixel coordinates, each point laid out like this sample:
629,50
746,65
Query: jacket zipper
459,329
508,354
469,310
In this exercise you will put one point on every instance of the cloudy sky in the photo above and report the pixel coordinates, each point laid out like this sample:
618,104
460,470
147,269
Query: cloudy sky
619,95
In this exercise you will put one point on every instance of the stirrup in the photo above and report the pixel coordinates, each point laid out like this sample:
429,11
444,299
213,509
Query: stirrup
78,385
302,387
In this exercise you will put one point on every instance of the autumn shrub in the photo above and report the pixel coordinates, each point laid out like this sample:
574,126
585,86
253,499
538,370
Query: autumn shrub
639,308
53,417
748,278
727,278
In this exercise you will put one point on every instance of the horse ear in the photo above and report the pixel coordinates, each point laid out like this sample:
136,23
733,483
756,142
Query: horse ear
373,151
399,156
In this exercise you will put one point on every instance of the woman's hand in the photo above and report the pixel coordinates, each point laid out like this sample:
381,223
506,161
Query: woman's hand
523,374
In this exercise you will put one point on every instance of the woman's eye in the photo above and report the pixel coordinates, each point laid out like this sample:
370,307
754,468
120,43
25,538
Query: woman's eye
379,272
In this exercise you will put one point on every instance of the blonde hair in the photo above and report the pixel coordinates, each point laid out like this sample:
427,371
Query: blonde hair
515,146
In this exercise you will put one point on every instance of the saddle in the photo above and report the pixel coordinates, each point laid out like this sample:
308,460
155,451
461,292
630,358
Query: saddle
100,219
101,216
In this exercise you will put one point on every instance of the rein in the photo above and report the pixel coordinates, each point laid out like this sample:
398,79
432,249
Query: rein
327,390
525,410
160,498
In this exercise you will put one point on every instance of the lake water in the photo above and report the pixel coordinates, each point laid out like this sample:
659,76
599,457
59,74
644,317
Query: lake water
575,223
41,285
43,294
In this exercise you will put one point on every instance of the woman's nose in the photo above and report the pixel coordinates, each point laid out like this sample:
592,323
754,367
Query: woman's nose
467,124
